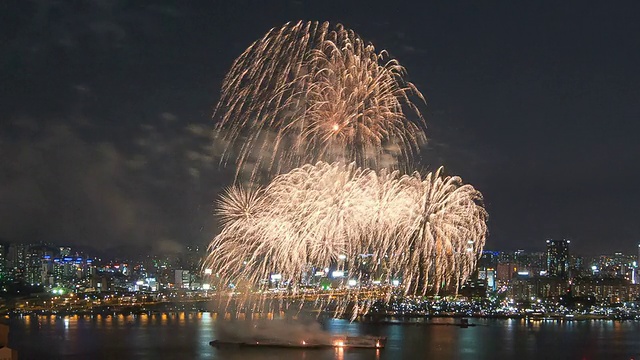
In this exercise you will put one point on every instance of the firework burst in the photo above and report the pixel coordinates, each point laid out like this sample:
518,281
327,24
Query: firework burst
309,92
378,227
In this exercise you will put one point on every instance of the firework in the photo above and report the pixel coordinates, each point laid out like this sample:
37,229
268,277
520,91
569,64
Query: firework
425,232
310,92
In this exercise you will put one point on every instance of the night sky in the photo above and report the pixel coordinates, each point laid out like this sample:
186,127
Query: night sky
105,132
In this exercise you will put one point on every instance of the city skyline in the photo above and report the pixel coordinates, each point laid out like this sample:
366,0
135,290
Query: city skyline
107,115
29,262
557,276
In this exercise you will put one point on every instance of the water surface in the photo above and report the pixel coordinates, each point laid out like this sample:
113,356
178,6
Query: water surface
187,336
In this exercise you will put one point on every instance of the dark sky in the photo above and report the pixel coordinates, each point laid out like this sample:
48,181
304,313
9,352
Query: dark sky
106,112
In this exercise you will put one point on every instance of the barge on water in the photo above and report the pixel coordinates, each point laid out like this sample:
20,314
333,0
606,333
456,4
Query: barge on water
363,342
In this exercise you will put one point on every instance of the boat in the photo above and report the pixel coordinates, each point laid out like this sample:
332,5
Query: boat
367,342
266,343
370,342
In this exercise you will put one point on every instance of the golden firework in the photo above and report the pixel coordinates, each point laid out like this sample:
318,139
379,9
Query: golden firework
426,232
310,92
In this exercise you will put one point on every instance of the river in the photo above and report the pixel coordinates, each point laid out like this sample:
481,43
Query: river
187,336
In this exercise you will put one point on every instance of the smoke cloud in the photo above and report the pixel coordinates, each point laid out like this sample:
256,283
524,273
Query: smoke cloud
275,330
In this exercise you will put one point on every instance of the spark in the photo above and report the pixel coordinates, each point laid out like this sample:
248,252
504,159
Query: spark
309,92
428,231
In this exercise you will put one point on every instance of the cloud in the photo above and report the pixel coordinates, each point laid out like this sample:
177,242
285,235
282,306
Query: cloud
56,186
74,27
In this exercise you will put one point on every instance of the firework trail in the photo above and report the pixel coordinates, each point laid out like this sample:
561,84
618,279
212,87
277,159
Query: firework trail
310,92
426,231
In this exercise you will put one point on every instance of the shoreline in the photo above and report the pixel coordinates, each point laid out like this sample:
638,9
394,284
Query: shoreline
386,319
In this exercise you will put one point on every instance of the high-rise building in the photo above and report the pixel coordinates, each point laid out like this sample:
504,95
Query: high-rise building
558,258
34,258
182,279
65,251
489,275
505,271
3,262
16,260
636,278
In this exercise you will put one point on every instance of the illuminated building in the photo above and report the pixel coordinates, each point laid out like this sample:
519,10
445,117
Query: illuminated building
182,279
474,288
34,264
522,289
3,263
558,258
636,279
608,290
527,288
65,251
16,260
505,271
489,275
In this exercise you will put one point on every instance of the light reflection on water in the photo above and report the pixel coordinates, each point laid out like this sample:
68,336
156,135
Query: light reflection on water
186,336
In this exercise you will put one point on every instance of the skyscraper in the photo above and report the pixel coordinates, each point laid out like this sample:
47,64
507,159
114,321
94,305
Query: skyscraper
636,279
16,260
3,262
558,258
34,264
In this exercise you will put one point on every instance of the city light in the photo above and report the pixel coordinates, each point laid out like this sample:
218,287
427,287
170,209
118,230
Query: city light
606,283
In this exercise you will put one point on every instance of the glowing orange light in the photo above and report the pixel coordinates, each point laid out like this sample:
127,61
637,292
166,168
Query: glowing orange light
335,127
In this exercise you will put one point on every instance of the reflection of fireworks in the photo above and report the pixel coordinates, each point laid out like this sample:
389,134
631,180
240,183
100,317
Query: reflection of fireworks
428,231
308,92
